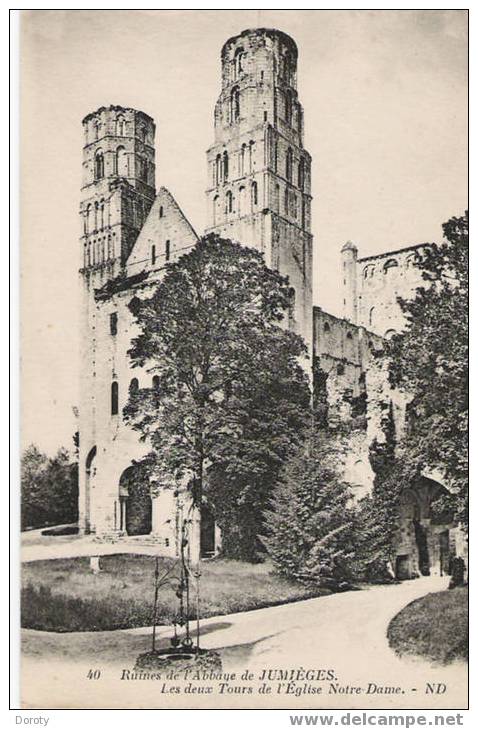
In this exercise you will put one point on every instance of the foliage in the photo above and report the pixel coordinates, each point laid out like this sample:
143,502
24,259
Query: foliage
49,488
310,520
231,398
320,398
430,360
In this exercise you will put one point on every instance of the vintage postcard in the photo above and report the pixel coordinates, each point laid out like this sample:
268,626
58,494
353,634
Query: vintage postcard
244,292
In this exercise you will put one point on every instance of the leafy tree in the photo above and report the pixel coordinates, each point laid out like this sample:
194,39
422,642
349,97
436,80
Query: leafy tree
310,522
230,397
430,360
32,470
49,488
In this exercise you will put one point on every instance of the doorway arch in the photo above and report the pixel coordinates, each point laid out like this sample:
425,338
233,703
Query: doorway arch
136,506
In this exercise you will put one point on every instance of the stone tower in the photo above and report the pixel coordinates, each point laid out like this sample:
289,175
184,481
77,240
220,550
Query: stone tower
118,185
259,184
117,193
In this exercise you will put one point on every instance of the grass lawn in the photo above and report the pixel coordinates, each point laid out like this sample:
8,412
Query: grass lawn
434,627
65,595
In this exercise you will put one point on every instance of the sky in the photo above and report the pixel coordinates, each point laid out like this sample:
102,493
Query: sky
385,113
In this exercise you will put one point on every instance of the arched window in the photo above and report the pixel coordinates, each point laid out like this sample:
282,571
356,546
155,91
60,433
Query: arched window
114,398
120,126
99,165
167,250
143,169
326,327
412,260
254,193
102,214
349,335
215,210
153,255
88,218
251,155
89,254
121,162
288,165
228,201
235,110
285,67
155,382
286,201
368,272
218,169
97,205
97,129
134,385
301,174
390,264
225,166
238,63
288,107
242,201
277,196
134,305
114,324
242,160
371,315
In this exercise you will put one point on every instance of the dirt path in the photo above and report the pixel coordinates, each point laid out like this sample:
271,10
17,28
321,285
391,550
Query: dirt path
345,633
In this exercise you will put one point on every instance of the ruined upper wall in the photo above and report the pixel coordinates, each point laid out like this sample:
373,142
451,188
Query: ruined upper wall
373,284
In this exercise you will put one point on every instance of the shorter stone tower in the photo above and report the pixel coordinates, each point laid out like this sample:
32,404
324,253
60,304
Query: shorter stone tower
349,265
118,185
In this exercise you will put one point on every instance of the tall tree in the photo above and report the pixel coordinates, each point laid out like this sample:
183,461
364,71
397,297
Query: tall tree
230,396
430,360
309,531
378,514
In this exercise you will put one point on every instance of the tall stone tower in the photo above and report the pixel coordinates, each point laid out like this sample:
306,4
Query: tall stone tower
259,185
116,196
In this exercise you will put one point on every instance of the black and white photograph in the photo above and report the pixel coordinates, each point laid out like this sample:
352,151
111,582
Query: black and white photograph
244,359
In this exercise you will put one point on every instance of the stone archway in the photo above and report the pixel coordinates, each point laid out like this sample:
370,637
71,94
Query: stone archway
424,546
90,479
135,502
